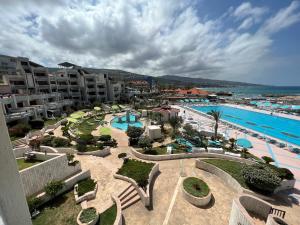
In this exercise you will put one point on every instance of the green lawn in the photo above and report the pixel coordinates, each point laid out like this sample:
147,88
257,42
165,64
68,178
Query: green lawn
51,122
60,211
231,167
162,150
87,126
105,131
22,164
85,186
195,187
137,170
108,217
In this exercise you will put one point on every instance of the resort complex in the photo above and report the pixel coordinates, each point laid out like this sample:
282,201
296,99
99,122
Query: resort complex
88,148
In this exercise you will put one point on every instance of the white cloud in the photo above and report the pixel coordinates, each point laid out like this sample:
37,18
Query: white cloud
152,37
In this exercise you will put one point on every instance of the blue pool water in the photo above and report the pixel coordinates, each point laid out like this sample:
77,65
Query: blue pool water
124,125
282,128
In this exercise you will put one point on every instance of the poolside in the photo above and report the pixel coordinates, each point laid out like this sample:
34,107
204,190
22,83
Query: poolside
282,157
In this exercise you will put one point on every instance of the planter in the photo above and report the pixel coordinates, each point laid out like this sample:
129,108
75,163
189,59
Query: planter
101,153
197,201
93,222
87,196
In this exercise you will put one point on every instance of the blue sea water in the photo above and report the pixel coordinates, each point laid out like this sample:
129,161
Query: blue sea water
274,126
251,91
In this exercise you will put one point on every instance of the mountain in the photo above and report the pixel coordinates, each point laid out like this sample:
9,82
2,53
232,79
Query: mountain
166,80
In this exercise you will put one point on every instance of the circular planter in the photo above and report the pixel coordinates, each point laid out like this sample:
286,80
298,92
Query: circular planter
197,201
92,222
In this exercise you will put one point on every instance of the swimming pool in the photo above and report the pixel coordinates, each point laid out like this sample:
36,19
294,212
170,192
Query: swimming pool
278,127
124,125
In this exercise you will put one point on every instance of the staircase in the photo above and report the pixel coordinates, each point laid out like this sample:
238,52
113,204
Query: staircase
128,197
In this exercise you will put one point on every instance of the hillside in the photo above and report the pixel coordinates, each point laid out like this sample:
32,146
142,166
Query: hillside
167,80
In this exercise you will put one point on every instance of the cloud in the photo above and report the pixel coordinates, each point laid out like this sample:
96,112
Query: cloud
151,37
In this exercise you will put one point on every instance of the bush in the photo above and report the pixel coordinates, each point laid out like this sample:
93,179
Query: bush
261,178
145,143
81,147
35,144
70,157
100,145
53,187
60,142
85,186
134,132
122,155
65,130
111,143
87,138
267,159
151,152
88,215
33,203
37,123
19,130
64,123
51,133
105,138
283,173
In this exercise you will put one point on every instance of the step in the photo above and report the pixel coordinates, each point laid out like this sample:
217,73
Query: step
131,202
126,189
128,198
128,192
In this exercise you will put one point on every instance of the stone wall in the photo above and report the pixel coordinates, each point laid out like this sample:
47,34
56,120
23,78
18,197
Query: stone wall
36,177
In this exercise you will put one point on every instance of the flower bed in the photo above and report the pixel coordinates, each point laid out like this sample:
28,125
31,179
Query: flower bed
196,191
88,216
85,190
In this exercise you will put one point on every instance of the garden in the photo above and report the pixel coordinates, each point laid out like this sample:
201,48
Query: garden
260,177
86,186
137,170
195,187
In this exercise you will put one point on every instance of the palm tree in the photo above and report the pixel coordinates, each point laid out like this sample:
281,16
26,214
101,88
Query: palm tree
217,116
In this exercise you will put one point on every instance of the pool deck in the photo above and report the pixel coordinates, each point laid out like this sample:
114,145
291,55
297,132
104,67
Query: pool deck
281,156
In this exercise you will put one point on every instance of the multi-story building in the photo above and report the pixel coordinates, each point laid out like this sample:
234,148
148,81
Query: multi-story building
28,90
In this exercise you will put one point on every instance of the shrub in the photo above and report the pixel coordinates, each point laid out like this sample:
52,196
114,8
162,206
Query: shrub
100,145
145,143
261,178
60,142
70,157
35,144
19,130
267,159
105,138
65,129
283,173
111,143
64,123
151,152
51,133
85,186
122,155
53,187
134,132
88,215
87,138
37,123
33,203
81,147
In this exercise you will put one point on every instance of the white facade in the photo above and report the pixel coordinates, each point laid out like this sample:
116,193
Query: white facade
13,206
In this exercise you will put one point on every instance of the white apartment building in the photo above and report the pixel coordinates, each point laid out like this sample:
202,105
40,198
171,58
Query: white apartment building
28,90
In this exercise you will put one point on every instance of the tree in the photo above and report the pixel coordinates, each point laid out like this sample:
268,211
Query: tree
145,143
217,116
134,132
267,159
175,122
232,143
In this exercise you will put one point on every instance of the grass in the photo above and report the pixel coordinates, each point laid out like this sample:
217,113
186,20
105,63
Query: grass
60,211
162,150
195,187
85,186
137,170
51,122
87,126
231,167
22,164
105,131
108,217
88,215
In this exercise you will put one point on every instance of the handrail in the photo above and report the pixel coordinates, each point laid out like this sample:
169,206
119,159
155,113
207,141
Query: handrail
277,212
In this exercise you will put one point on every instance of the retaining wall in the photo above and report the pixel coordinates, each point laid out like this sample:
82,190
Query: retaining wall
101,153
87,196
188,155
36,177
119,219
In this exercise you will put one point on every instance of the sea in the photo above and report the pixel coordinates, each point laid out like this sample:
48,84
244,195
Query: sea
256,91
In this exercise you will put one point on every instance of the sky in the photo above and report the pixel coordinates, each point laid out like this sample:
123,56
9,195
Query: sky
252,41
